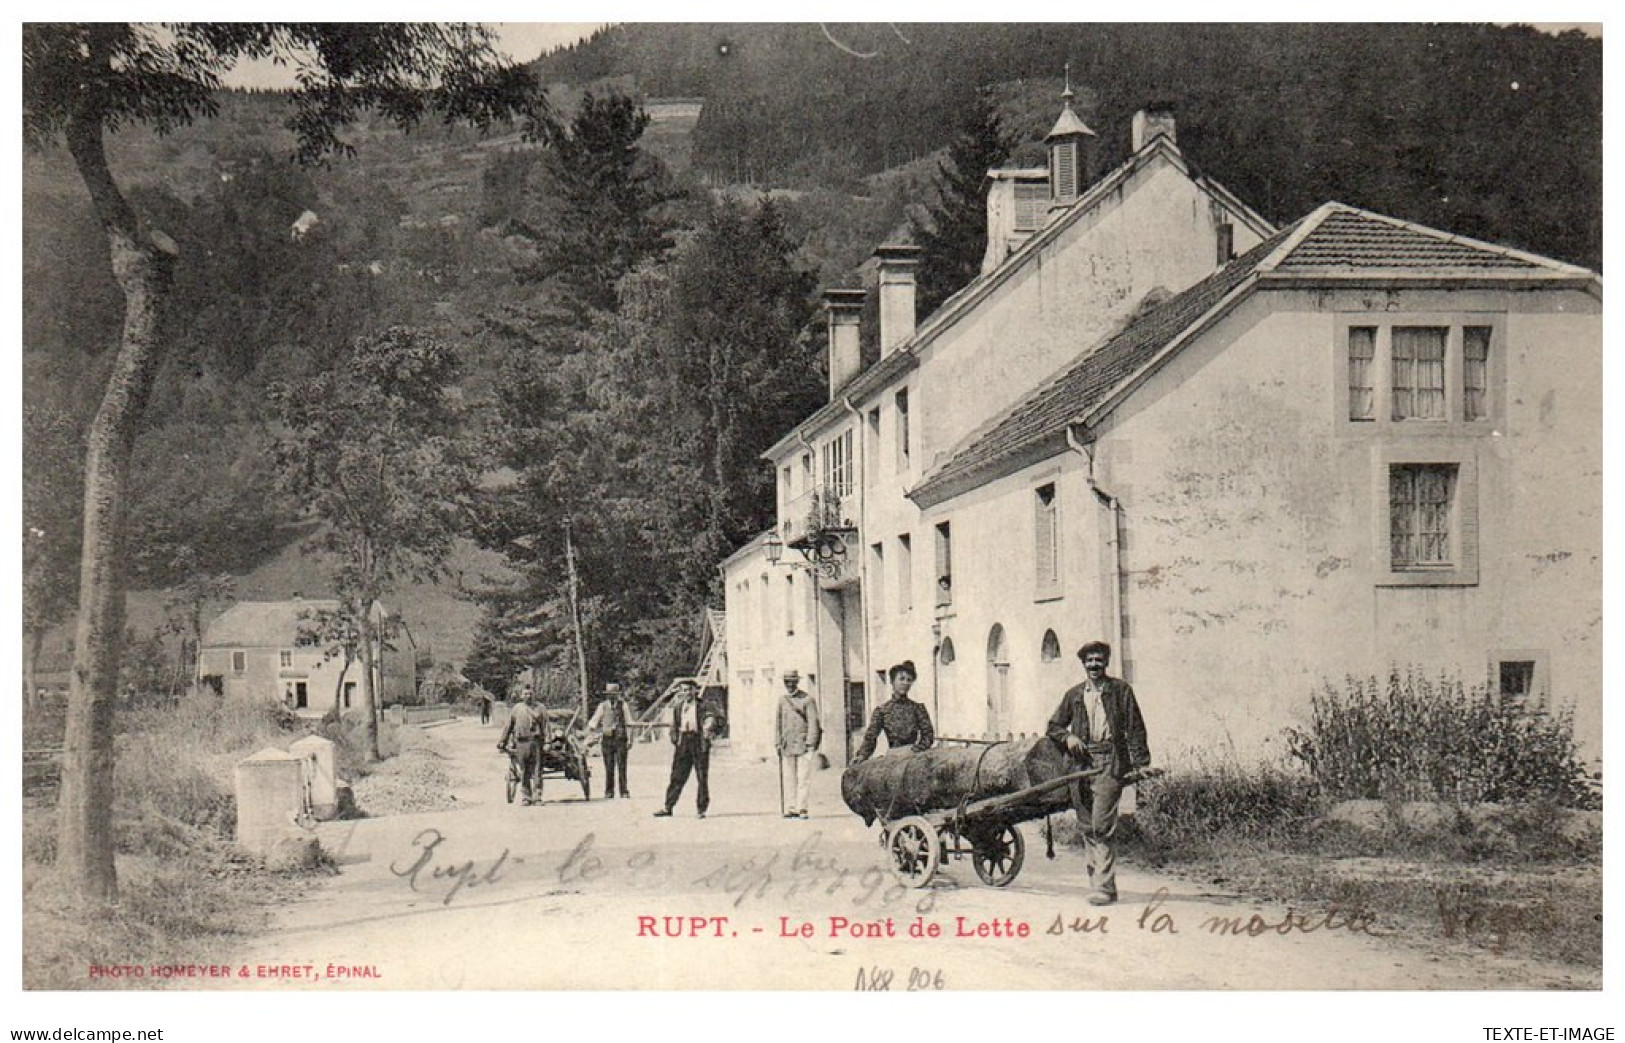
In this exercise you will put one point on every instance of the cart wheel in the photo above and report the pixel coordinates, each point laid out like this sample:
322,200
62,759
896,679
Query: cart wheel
586,780
513,781
916,851
998,856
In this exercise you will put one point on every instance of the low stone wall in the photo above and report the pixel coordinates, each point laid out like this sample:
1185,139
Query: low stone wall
1376,816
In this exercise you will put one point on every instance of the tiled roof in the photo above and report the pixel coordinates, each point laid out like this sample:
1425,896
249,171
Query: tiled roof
261,624
1104,191
1087,381
1335,241
1348,239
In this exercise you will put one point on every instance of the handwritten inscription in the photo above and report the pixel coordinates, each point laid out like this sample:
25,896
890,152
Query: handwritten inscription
879,979
453,877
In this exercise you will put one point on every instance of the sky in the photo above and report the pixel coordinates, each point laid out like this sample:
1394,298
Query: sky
521,41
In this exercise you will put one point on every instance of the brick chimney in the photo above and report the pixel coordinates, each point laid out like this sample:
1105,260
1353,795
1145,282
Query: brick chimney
897,315
842,310
1152,121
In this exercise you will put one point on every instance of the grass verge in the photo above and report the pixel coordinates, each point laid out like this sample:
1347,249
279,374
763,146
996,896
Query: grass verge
188,895
1524,880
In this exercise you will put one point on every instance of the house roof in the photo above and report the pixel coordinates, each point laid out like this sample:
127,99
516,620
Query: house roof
1335,242
1069,124
1103,192
262,624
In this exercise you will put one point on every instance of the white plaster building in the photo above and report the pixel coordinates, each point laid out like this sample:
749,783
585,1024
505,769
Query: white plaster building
1361,443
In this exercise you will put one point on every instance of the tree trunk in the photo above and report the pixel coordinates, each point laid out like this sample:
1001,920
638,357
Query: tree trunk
369,693
142,270
33,640
338,689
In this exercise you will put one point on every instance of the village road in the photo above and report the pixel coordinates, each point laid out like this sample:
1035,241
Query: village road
587,894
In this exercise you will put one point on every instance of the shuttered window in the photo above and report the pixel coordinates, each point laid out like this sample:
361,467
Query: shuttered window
1046,538
905,573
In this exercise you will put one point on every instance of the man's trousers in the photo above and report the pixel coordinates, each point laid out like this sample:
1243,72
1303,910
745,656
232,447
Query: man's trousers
615,750
693,755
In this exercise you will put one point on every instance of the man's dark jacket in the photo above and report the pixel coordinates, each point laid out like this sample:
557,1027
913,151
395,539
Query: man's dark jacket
1129,747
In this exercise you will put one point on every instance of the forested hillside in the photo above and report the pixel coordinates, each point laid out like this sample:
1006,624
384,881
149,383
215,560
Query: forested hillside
1486,131
633,313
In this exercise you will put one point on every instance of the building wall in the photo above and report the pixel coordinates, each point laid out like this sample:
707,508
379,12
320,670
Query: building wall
1160,233
1255,540
1256,544
772,614
1001,618
264,677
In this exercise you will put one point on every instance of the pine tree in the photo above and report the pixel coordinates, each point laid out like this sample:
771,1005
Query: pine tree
954,237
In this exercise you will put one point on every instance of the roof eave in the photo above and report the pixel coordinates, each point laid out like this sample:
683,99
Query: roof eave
864,384
934,491
1453,279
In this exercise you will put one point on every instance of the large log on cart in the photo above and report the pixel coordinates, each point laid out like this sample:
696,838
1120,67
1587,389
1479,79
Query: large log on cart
945,777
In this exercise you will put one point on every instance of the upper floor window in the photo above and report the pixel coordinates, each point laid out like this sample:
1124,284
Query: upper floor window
838,464
877,584
1422,373
905,573
239,662
1475,372
1046,539
286,658
1418,372
901,402
945,565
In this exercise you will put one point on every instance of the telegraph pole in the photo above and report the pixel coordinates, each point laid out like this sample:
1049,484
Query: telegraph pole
575,618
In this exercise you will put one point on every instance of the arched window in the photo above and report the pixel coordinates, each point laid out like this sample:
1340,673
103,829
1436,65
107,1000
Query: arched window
1051,650
998,681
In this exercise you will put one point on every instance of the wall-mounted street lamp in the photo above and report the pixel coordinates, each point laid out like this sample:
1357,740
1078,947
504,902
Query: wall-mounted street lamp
822,552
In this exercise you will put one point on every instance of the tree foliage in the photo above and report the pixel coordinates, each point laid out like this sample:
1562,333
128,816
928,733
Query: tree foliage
374,448
82,82
953,237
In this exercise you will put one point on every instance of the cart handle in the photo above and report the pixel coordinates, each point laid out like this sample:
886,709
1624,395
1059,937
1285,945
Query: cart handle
976,808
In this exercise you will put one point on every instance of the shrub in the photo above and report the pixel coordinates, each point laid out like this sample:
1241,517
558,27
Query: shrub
1183,814
1415,738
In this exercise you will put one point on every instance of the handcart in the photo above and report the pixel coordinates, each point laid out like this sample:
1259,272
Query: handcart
919,842
564,755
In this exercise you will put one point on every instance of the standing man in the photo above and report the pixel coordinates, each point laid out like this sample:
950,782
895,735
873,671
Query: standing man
799,733
522,741
485,707
1099,722
905,722
693,725
609,726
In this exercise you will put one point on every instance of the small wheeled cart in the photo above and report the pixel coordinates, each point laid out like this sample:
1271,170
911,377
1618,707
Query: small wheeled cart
564,756
967,802
986,831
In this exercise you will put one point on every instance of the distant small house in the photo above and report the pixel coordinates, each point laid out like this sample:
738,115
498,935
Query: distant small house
265,649
302,227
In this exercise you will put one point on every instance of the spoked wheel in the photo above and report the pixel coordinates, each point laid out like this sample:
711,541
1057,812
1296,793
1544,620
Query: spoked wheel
513,780
915,850
998,855
586,780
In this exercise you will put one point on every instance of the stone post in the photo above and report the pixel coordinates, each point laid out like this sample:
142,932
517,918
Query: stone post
316,756
269,784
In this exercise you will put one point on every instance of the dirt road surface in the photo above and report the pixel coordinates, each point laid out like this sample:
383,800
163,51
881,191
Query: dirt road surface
600,894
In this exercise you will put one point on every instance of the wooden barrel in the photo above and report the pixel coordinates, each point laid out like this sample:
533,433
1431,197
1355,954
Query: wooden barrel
903,782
